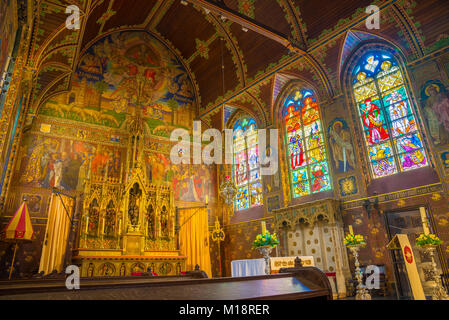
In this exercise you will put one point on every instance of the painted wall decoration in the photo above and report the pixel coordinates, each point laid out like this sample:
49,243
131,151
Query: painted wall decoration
348,186
125,72
445,161
273,203
190,182
341,146
34,202
62,163
8,30
435,106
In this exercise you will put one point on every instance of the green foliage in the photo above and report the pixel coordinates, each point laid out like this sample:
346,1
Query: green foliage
265,239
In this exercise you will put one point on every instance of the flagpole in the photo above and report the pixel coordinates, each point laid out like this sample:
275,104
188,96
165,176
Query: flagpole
13,259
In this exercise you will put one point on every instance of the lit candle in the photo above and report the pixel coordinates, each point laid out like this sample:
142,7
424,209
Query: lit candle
422,210
264,227
351,231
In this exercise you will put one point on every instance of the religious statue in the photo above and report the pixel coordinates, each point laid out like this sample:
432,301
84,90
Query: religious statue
107,270
436,112
133,207
109,219
94,214
122,270
164,222
150,222
90,270
341,145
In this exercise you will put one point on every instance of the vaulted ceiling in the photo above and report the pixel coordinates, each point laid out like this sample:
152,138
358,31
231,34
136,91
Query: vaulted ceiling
258,37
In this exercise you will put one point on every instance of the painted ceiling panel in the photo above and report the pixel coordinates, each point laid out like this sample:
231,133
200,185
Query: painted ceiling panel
319,16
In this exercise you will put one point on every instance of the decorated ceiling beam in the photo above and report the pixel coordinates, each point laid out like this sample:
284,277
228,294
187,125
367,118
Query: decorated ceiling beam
246,22
295,21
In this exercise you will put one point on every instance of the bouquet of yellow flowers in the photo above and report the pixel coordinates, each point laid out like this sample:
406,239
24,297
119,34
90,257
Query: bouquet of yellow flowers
265,239
428,239
353,239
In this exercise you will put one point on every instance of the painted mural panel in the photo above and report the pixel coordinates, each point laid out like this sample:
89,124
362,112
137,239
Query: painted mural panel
122,73
8,30
435,104
49,162
340,143
190,182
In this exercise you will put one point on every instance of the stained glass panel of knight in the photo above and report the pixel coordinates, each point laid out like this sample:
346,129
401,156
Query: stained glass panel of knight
246,165
390,131
306,151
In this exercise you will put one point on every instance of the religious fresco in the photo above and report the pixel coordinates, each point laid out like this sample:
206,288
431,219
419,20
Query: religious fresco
391,135
435,107
122,73
189,182
445,161
7,32
340,143
65,164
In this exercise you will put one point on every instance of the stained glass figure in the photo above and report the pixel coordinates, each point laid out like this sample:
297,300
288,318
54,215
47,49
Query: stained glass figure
246,165
306,151
391,133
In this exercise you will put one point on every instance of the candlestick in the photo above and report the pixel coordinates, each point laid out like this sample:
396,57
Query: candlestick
87,224
422,210
264,227
351,231
207,200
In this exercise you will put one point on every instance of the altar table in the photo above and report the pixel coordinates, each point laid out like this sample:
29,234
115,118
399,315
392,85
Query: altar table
249,267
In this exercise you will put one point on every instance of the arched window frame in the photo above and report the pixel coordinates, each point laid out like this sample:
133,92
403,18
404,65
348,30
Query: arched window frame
250,184
360,53
290,90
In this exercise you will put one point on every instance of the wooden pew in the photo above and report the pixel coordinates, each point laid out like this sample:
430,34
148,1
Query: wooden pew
292,284
56,282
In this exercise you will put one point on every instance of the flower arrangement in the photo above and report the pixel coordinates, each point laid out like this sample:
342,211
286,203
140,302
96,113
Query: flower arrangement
265,239
353,239
428,240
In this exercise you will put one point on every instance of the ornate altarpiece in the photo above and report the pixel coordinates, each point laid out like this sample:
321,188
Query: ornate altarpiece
128,226
316,229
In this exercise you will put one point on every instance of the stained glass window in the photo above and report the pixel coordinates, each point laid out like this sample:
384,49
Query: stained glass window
391,135
306,151
246,165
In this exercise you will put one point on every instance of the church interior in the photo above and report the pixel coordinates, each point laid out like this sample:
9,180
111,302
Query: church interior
212,140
